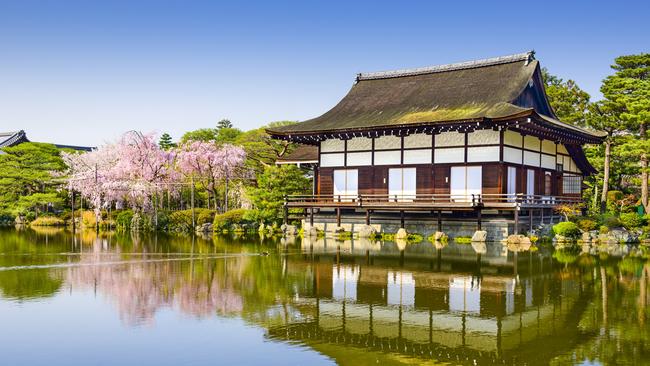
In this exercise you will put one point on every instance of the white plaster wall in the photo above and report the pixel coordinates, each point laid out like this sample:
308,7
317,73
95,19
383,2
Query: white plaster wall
531,158
328,160
548,161
418,140
332,145
531,143
451,155
360,159
512,138
450,139
420,156
387,157
480,154
359,143
511,155
388,142
548,147
483,137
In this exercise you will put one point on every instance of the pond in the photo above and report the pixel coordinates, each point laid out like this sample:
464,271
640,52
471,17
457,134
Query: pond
125,299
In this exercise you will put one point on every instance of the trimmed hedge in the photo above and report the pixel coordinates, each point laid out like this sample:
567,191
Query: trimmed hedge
48,221
567,229
182,220
232,220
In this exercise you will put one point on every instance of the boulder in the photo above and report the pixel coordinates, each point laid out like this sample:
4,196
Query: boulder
586,236
620,235
367,231
480,235
439,235
401,234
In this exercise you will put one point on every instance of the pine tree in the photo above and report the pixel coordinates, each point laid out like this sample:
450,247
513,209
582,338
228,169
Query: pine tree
627,94
166,142
224,123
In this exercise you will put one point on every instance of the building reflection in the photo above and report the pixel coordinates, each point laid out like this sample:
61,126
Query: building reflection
473,304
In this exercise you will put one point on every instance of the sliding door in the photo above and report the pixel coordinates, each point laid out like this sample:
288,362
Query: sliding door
465,181
401,184
346,184
512,183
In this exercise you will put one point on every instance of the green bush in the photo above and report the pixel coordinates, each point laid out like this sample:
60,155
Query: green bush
123,219
587,224
567,229
631,220
610,221
205,216
603,229
463,239
227,220
182,220
48,221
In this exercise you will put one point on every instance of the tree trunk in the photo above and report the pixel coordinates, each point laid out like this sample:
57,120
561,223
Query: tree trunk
608,153
644,170
226,198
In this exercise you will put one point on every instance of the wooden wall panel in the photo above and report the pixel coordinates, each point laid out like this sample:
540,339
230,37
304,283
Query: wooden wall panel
366,180
326,181
380,180
424,177
441,179
491,178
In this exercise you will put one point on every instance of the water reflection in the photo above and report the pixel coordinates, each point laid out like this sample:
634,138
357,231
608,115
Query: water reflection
358,299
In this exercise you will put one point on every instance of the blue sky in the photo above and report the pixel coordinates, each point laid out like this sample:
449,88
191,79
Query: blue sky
83,72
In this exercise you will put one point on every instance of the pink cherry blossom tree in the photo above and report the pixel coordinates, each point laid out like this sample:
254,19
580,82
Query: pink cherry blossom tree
210,164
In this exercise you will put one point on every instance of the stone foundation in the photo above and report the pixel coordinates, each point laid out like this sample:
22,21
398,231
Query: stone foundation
497,228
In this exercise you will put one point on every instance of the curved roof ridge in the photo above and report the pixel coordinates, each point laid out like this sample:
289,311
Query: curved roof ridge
525,56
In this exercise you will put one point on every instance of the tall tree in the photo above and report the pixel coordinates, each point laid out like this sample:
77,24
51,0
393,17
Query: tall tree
627,93
602,118
29,170
202,134
224,123
166,142
261,150
569,101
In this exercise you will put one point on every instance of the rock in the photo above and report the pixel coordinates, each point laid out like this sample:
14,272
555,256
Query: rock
401,243
439,235
262,228
586,236
514,239
480,235
401,234
620,235
367,231
479,247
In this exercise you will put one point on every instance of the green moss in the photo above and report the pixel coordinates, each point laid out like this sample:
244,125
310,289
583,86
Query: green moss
444,114
463,240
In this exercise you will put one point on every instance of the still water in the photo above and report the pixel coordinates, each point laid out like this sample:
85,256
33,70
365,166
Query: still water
122,299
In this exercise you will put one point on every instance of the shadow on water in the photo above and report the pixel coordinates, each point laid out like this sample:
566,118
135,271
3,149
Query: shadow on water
359,301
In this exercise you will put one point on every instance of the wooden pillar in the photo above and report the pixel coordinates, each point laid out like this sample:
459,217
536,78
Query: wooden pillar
338,216
478,219
401,219
367,217
541,217
530,218
311,217
439,220
516,231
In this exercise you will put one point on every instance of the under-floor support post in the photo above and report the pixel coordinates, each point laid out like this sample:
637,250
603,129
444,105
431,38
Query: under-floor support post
367,217
516,231
531,213
439,220
338,216
478,219
401,219
311,217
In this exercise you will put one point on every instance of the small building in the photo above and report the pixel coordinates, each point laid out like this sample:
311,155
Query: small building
446,142
14,138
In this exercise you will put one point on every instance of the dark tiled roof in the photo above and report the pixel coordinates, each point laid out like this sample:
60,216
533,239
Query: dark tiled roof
12,138
302,154
467,91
